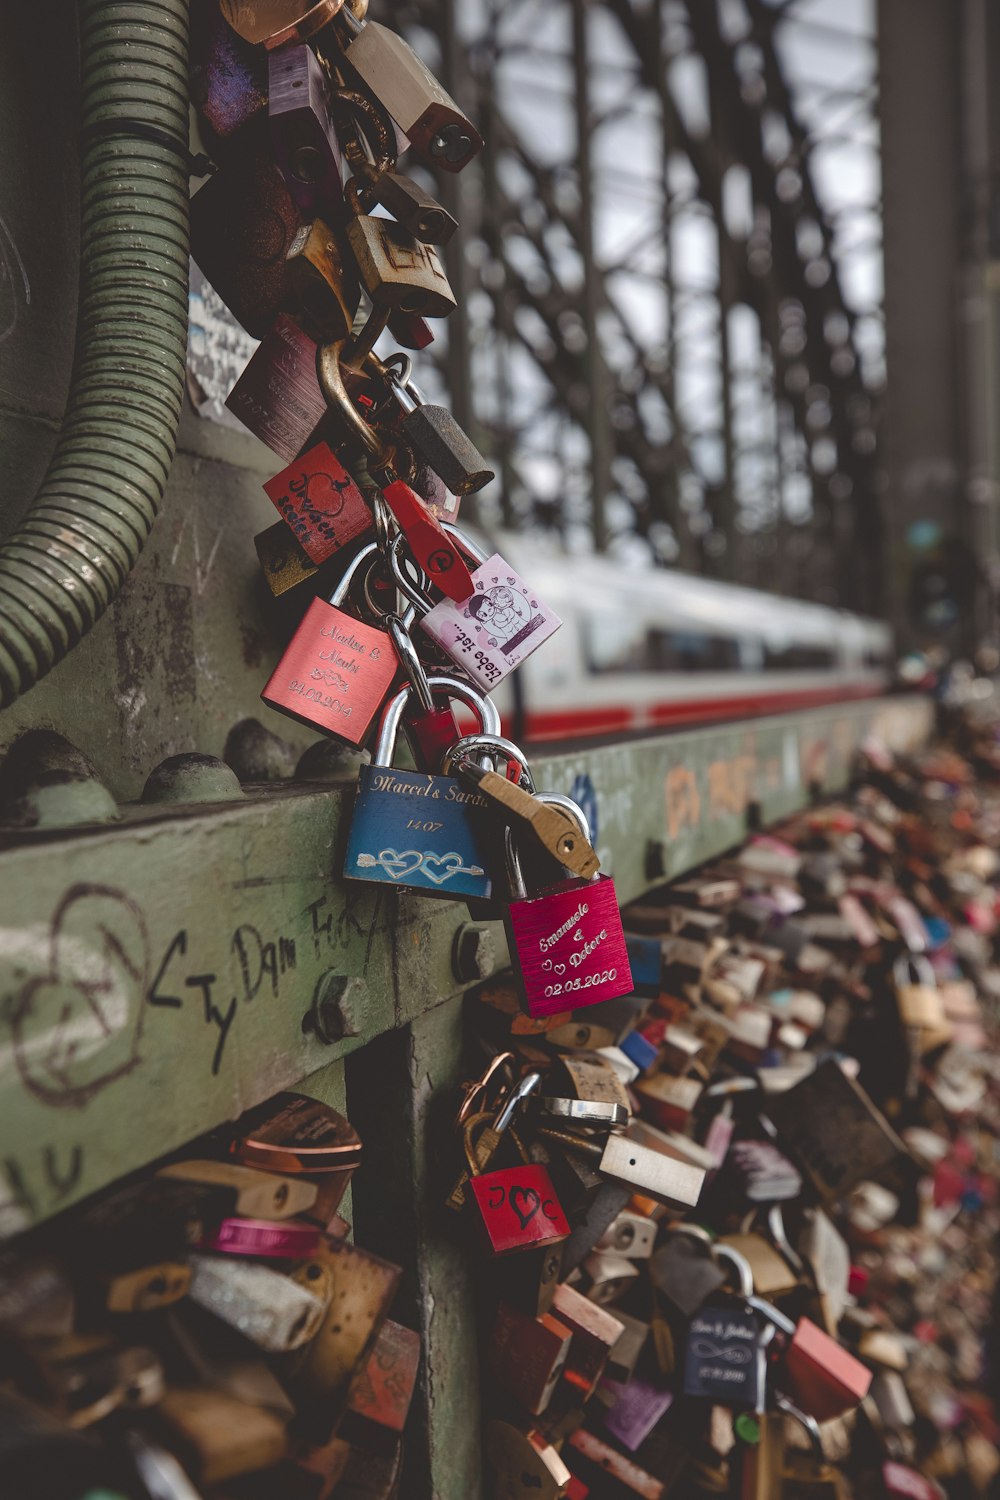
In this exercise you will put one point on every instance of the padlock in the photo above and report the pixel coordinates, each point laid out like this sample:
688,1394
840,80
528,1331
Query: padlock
725,1344
242,222
410,331
419,213
808,1475
419,831
554,821
278,396
527,1355
336,671
491,1127
293,1134
450,452
920,1003
522,1465
496,628
430,541
319,501
820,1375
267,1308
430,119
283,563
636,1167
383,1388
595,1332
567,942
772,1275
147,1287
262,1239
760,1173
589,1077
830,1126
638,1407
628,1349
303,139
631,1235
228,75
399,273
685,1270
607,1277
322,287
599,1462
255,1194
218,1438
278,23
362,1287
516,1207
667,1100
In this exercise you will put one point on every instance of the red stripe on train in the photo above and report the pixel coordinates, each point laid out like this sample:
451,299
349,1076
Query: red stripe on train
574,722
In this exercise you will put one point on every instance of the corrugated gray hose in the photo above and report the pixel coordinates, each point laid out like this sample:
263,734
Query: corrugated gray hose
77,544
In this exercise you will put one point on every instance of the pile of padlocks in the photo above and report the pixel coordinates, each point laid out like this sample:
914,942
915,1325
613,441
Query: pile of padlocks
209,1332
737,1230
307,108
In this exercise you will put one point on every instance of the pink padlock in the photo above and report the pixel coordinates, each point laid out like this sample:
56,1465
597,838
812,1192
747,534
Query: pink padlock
492,632
566,940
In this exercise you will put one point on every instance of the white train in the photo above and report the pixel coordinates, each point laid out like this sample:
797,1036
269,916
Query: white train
643,649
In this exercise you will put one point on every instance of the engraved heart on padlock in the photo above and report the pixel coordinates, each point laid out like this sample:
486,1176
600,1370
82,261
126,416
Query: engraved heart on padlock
546,965
560,968
528,1196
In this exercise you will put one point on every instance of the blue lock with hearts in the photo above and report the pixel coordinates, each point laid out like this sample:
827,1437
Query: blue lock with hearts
422,832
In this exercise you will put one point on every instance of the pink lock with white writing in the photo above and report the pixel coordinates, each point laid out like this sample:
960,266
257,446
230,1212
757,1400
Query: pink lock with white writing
568,946
492,631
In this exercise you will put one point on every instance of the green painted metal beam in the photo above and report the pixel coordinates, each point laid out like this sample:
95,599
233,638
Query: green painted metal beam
160,975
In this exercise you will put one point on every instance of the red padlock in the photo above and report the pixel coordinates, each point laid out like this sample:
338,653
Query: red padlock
517,1206
336,671
823,1378
320,502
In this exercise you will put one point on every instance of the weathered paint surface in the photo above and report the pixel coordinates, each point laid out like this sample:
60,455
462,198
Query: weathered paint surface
163,975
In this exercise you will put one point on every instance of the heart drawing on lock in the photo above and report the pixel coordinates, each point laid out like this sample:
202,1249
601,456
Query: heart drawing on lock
437,867
547,965
560,968
531,1201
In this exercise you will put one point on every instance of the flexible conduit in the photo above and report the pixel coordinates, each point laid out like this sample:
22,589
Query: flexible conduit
70,556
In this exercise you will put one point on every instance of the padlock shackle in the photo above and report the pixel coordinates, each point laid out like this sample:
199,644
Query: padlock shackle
740,1264
407,586
364,557
808,1424
412,665
453,687
331,381
476,1092
527,1085
476,744
515,874
915,963
773,1314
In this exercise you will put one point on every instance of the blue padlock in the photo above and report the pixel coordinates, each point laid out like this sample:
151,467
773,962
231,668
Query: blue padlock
421,832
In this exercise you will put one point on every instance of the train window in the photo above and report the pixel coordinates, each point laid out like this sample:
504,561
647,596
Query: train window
797,656
692,651
615,645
